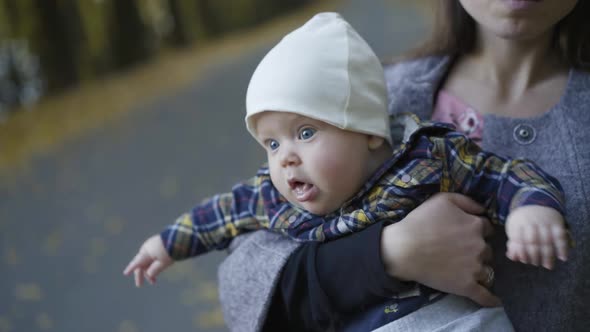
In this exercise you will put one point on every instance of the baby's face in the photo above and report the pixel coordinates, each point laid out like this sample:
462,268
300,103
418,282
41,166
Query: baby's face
314,165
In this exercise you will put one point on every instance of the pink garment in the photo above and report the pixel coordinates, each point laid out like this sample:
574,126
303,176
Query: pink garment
451,109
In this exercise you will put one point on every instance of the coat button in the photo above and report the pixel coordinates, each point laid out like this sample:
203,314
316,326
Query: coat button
406,178
524,134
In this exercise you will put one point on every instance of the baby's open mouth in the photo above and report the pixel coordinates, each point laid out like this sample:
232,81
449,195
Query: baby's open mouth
303,191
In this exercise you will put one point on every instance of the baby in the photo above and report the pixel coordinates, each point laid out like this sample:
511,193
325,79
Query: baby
336,163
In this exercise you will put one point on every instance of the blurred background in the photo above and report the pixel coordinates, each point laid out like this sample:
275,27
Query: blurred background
115,117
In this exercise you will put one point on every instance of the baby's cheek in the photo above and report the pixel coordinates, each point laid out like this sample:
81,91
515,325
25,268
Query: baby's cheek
328,165
340,174
277,181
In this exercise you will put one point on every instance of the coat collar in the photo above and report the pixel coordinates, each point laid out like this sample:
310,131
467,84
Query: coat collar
412,85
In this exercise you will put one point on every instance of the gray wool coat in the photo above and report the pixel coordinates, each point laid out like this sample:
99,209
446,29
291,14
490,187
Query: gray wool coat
535,299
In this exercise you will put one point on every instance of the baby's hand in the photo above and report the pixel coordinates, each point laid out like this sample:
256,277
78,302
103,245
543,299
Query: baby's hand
151,259
536,234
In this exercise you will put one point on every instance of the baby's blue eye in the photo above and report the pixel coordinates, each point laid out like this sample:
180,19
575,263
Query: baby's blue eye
272,144
306,133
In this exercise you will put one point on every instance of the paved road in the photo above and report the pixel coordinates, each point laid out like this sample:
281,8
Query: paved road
68,227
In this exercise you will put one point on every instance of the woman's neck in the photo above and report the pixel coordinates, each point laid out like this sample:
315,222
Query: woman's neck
513,66
516,78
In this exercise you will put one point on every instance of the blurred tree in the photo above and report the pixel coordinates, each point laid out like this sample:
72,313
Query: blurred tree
54,44
130,38
228,15
19,18
21,82
268,9
5,22
221,16
97,55
158,20
205,13
190,22
59,40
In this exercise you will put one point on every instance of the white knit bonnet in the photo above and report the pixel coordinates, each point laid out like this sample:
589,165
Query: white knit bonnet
323,70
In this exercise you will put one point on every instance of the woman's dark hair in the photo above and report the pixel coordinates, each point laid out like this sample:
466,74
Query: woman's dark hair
454,34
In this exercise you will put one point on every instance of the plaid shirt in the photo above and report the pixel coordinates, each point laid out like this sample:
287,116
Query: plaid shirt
432,159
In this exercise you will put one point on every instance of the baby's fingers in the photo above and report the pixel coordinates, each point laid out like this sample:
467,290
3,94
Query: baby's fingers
533,238
153,271
515,251
140,260
561,241
546,247
137,273
548,255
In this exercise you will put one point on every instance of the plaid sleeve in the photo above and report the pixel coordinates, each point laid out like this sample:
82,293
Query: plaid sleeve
501,184
215,222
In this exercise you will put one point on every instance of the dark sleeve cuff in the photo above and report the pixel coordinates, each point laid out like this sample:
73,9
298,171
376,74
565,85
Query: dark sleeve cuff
351,272
322,281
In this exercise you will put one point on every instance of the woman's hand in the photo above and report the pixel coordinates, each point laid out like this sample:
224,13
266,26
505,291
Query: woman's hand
441,245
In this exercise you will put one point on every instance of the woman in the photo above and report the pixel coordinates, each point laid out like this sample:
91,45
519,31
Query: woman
518,73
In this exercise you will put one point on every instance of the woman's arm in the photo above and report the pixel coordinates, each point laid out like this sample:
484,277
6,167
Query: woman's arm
445,252
322,280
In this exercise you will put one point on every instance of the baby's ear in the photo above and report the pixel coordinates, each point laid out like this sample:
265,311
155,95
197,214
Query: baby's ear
375,142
